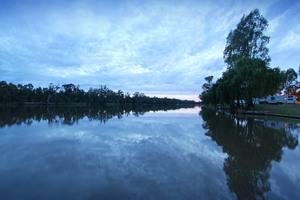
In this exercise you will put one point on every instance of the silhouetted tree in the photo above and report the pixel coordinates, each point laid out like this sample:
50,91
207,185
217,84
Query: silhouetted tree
290,77
251,78
247,40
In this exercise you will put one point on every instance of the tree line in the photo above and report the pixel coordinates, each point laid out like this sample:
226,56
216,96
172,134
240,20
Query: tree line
71,94
248,75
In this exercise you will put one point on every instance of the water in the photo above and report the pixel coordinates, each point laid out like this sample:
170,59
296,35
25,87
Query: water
85,153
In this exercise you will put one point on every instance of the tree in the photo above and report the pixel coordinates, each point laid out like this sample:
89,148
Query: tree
204,96
255,79
29,92
13,91
207,86
228,90
5,95
120,97
247,40
50,92
38,95
290,81
69,90
248,75
251,78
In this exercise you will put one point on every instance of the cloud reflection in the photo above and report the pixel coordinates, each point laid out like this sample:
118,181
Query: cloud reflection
136,158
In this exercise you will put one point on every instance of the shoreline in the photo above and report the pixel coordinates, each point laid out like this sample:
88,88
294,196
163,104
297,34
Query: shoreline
284,111
270,114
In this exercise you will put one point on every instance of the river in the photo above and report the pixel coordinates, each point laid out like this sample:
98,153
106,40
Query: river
187,153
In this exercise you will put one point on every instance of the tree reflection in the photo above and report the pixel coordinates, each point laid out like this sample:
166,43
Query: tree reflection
251,147
70,115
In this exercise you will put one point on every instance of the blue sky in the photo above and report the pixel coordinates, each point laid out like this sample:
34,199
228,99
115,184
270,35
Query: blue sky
160,48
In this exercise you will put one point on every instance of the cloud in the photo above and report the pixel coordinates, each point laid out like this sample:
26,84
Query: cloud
154,46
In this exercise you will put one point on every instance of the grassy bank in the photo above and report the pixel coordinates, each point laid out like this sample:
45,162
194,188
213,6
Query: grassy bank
285,109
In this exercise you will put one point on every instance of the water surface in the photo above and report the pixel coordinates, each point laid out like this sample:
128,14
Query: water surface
86,153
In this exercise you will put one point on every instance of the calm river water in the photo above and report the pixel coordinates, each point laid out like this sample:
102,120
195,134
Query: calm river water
84,153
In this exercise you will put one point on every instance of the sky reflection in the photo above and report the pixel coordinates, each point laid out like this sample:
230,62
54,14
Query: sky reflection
147,157
157,155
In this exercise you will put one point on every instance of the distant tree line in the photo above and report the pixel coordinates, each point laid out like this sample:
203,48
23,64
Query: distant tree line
248,75
71,94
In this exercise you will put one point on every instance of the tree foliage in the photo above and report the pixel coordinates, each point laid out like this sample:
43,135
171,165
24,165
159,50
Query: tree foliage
251,78
290,77
247,40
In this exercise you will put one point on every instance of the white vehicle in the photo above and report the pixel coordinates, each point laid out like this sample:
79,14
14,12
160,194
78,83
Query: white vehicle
276,99
288,99
272,99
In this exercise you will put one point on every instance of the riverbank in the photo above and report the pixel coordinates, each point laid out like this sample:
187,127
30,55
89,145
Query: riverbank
283,110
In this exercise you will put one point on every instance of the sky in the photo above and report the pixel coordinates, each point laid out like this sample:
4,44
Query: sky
159,48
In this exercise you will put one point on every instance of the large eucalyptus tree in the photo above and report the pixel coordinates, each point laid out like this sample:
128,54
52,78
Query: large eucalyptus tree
247,40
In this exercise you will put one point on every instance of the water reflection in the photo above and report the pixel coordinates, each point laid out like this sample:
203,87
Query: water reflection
157,156
251,144
69,154
70,115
